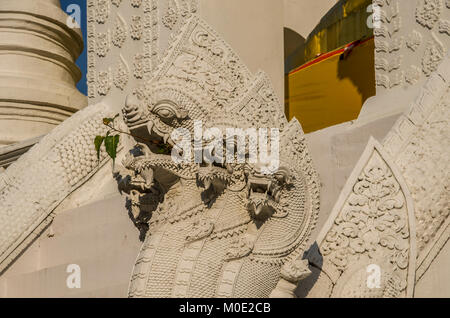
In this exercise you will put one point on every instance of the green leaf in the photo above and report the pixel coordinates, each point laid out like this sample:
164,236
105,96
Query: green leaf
98,143
111,143
160,150
107,121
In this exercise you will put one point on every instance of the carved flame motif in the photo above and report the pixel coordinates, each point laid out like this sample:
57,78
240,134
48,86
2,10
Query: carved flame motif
388,44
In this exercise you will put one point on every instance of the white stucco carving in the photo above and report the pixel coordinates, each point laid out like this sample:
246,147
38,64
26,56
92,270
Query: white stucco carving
393,211
225,230
419,145
223,239
116,41
413,37
32,187
201,67
371,223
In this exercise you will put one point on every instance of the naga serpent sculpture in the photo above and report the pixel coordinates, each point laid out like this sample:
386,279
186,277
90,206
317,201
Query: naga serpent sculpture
214,229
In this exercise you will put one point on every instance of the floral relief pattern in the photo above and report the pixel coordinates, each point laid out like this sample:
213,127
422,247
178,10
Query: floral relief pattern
102,11
412,74
110,27
170,18
136,3
208,64
120,32
433,55
136,27
138,66
419,44
372,221
104,82
121,75
427,14
103,43
414,41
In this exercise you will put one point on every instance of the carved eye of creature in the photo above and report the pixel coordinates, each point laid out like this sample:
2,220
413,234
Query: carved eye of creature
167,110
282,175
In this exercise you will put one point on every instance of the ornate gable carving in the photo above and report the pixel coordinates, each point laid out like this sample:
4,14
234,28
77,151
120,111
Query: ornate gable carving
199,58
372,224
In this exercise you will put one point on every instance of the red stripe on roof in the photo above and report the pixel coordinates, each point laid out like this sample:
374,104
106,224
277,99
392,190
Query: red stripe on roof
328,55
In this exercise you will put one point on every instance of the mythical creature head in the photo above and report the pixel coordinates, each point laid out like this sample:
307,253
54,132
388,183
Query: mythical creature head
223,162
151,118
265,190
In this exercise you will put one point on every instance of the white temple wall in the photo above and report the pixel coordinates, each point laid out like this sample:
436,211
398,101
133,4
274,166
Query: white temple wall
99,237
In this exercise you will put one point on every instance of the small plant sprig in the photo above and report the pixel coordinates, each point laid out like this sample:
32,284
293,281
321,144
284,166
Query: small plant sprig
111,140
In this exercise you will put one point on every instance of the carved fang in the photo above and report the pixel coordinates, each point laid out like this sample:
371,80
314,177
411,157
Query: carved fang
150,125
258,209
